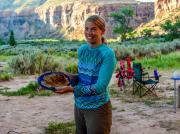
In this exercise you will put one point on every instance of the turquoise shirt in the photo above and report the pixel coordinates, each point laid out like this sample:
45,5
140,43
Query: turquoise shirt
95,69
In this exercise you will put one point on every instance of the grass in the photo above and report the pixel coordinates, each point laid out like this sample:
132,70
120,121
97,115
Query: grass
4,76
163,62
30,90
60,128
5,58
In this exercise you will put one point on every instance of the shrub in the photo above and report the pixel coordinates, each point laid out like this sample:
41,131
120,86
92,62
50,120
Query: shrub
32,63
71,68
147,32
4,76
60,128
172,29
1,42
12,41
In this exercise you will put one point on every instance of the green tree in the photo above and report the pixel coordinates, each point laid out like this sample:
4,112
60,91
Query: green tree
1,41
147,32
12,40
122,20
172,29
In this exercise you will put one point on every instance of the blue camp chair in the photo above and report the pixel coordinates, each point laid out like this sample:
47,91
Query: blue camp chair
142,82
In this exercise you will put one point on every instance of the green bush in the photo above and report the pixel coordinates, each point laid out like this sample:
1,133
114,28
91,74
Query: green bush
150,50
4,76
34,62
60,128
12,40
147,32
73,54
1,42
172,29
71,68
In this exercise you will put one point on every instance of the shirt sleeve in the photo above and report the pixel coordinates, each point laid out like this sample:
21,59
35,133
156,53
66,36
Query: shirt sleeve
104,77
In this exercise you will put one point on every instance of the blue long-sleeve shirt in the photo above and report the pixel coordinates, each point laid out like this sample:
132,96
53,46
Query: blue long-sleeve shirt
95,69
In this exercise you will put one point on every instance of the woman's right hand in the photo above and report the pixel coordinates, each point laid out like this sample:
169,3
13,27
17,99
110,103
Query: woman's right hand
65,89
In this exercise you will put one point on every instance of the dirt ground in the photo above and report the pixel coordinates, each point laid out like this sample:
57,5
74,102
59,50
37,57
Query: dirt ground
31,115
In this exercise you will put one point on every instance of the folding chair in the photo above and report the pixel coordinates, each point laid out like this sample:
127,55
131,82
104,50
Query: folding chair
141,82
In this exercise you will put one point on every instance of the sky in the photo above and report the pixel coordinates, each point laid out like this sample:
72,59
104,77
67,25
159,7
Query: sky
147,0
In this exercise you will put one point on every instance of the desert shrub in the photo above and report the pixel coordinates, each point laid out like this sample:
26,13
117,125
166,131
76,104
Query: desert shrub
5,76
73,54
71,68
32,63
152,49
176,43
146,32
60,128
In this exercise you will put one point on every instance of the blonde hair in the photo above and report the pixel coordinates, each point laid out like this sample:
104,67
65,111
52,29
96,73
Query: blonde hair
99,22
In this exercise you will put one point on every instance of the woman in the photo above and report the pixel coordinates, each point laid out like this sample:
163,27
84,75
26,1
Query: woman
96,62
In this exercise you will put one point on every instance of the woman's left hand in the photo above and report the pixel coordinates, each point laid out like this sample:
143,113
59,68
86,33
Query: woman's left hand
65,89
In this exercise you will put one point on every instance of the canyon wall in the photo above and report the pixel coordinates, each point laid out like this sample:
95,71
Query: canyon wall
67,20
164,6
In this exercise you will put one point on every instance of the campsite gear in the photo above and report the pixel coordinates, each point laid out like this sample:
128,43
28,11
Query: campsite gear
121,74
129,71
53,80
141,82
175,78
156,74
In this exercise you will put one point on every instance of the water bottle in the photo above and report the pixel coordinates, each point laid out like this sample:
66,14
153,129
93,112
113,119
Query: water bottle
156,74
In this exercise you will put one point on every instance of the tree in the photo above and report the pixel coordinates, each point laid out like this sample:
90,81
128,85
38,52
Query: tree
12,41
172,29
122,19
147,32
1,42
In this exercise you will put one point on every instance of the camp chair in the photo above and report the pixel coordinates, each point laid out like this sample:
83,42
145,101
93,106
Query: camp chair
143,82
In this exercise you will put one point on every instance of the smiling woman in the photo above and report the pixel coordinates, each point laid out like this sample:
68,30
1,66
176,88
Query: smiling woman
96,63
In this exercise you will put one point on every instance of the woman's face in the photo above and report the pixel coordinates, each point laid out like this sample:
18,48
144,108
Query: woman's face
93,34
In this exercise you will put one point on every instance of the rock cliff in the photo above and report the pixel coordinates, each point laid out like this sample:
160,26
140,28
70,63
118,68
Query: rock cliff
164,6
67,19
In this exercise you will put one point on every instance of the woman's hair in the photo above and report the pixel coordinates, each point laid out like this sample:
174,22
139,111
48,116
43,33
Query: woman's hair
99,22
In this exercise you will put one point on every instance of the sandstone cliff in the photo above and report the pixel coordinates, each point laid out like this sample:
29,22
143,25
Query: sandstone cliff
67,19
164,6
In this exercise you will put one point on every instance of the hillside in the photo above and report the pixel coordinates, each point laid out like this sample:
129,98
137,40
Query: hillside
155,23
19,5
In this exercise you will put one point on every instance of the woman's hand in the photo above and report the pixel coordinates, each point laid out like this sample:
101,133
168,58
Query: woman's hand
65,89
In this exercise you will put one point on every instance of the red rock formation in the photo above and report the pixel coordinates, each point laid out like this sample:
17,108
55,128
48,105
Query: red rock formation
164,6
69,18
